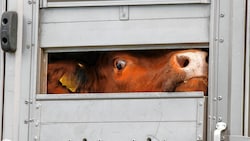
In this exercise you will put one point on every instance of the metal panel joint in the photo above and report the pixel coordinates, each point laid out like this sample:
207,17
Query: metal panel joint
124,13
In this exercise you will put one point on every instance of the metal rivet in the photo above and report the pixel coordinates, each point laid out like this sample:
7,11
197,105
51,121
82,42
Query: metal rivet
26,102
27,121
37,123
214,118
29,22
215,99
38,105
219,119
35,138
221,40
30,1
199,138
200,103
200,123
222,15
219,97
28,46
223,138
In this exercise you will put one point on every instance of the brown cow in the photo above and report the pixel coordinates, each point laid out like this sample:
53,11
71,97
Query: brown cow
132,71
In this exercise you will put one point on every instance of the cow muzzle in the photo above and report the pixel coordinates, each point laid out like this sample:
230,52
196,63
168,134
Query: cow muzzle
193,63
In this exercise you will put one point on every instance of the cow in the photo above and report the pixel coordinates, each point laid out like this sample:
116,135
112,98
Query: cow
132,71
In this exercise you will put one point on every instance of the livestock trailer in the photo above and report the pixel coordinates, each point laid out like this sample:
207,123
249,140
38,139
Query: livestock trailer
33,30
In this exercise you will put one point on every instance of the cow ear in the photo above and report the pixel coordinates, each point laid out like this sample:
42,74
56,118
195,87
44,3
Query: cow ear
73,81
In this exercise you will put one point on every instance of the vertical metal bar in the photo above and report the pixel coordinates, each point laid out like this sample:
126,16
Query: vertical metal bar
213,69
236,56
2,58
227,60
17,77
44,4
35,71
247,75
12,87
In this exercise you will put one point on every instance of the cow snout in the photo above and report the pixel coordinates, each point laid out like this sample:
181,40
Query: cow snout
193,63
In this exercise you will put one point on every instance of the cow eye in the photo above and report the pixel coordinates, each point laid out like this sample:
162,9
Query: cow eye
120,64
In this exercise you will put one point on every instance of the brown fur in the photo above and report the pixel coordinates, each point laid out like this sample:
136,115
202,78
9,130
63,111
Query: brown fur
154,71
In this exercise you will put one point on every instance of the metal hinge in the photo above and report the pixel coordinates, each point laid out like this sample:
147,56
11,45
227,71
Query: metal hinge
220,126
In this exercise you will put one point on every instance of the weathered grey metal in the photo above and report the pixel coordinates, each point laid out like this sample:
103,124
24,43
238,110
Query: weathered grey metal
77,3
217,25
237,138
18,70
146,25
2,9
121,116
132,95
124,47
227,65
247,76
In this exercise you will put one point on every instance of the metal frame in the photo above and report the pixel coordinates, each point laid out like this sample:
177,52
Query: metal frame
192,111
146,25
18,85
2,58
226,72
227,51
95,47
247,75
124,47
64,3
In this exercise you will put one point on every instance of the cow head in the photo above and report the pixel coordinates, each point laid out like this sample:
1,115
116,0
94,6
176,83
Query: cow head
141,71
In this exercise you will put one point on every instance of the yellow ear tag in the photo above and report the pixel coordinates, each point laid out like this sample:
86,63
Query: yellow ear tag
69,80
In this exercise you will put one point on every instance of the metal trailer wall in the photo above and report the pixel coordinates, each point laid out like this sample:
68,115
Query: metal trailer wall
2,9
247,74
17,76
226,71
228,47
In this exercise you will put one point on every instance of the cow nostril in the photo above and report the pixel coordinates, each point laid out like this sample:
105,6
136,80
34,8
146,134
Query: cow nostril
183,61
186,62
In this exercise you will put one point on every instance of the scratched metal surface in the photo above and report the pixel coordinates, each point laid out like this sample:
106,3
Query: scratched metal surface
161,117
